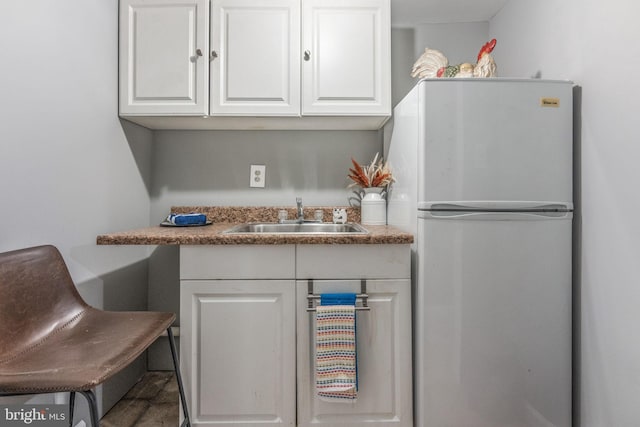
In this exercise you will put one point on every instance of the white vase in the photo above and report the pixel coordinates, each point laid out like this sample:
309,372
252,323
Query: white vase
373,207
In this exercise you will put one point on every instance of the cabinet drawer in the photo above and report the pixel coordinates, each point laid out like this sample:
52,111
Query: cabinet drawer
237,262
353,261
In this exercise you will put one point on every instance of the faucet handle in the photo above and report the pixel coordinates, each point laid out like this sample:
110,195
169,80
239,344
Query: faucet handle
300,209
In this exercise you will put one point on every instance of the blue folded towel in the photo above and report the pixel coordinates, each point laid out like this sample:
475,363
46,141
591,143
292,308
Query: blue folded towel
338,299
187,219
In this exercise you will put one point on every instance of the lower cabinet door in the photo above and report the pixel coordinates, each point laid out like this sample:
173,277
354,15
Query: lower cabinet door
237,352
383,337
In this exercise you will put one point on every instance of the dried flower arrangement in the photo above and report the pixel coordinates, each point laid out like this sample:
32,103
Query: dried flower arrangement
377,174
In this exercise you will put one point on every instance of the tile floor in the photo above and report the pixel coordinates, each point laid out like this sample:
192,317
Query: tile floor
152,402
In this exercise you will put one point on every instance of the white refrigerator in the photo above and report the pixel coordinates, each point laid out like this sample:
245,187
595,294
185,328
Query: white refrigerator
483,172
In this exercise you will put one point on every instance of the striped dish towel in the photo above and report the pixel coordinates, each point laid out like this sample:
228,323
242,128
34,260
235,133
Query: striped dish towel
336,368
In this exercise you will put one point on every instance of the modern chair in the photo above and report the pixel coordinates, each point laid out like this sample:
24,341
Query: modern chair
52,341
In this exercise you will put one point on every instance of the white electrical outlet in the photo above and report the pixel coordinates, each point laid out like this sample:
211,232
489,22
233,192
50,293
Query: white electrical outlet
258,176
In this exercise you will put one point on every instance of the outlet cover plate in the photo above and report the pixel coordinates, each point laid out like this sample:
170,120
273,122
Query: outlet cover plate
258,176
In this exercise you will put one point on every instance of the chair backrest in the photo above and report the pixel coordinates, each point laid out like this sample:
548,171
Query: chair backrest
37,297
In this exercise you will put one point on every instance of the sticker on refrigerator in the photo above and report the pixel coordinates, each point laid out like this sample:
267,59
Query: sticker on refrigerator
550,102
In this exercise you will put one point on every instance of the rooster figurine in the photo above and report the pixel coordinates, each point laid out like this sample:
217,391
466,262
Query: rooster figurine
485,67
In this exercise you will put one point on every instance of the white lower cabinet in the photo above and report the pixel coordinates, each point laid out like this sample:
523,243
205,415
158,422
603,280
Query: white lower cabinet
238,351
383,345
247,342
383,334
238,334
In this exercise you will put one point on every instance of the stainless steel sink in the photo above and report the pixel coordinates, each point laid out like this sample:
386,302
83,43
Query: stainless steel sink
305,228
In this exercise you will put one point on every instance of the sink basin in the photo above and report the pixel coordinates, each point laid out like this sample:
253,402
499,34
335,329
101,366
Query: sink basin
305,228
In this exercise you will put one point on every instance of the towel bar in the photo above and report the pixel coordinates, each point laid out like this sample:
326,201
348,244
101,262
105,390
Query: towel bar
362,296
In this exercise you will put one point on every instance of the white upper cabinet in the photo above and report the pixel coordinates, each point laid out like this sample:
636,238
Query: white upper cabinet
346,64
255,64
255,67
163,64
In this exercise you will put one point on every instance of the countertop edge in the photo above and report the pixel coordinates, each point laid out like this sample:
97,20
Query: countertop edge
213,235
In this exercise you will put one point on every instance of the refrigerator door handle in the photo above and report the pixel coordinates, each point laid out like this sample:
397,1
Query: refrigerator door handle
495,206
496,216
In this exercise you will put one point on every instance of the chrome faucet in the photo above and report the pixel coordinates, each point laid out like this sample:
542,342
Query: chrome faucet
282,219
300,210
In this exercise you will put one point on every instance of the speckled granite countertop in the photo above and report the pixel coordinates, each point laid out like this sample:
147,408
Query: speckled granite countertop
224,218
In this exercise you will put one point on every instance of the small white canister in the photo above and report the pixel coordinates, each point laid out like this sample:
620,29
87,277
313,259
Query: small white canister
373,207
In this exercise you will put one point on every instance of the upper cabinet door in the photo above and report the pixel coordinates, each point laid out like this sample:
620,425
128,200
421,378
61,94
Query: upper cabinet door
346,57
164,65
255,68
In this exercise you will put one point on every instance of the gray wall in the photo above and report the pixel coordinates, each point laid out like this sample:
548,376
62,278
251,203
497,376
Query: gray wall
575,39
402,58
212,167
67,168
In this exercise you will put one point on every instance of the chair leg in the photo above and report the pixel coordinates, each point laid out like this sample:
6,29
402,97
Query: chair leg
93,406
176,365
72,402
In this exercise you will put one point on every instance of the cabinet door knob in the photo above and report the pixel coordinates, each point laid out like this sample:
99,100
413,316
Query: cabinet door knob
214,55
307,55
198,52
